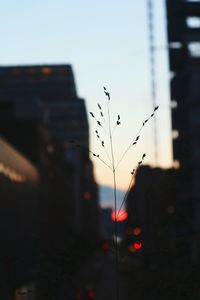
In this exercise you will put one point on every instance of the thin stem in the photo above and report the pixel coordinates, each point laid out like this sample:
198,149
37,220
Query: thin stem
115,201
132,143
125,196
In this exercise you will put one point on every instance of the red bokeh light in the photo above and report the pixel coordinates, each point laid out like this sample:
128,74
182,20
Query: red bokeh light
119,217
91,294
137,245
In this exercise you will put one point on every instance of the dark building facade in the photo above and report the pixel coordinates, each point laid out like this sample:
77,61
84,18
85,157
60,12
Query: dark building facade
30,94
38,98
40,115
183,27
18,219
159,237
153,208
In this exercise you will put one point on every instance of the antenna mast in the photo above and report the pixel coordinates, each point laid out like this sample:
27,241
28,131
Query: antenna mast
150,10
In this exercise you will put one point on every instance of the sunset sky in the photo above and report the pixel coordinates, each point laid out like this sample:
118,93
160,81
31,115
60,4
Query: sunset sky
107,44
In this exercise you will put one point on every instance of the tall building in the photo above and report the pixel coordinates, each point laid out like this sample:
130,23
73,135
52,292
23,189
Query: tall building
40,115
153,209
183,27
29,94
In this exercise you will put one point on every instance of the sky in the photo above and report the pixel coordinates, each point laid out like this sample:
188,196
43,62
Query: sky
107,44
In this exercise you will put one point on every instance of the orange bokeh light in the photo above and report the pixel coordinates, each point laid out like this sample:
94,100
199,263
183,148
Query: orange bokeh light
119,217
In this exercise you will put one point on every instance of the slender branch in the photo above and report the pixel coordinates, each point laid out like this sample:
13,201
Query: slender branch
133,173
129,147
134,141
97,155
115,200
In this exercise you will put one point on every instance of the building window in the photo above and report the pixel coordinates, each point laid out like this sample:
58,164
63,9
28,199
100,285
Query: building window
193,22
46,71
175,45
194,49
174,104
175,134
176,164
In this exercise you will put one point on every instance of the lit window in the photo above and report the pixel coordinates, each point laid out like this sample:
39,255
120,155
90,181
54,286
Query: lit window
174,104
175,45
193,22
175,134
87,196
194,49
46,71
176,164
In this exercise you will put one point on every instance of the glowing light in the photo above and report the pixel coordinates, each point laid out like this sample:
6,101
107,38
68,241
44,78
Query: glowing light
137,245
46,71
11,174
122,216
136,231
176,164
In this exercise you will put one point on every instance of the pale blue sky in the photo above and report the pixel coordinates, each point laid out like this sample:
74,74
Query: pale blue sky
107,44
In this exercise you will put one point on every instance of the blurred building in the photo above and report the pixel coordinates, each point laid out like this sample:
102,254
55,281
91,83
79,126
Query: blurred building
155,217
106,223
37,97
183,26
43,119
18,218
29,94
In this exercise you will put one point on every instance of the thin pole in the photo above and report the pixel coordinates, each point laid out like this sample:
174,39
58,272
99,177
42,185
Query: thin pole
153,71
